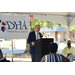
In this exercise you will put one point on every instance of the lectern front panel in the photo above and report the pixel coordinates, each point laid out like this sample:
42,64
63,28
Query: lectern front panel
45,46
42,48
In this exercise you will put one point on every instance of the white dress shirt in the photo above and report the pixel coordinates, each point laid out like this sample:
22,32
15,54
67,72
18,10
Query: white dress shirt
37,35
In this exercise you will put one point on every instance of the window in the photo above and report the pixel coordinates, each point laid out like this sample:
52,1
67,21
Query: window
48,33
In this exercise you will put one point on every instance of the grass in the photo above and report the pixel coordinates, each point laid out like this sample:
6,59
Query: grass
65,43
5,46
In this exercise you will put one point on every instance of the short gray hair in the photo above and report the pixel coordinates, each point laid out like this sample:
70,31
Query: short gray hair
36,25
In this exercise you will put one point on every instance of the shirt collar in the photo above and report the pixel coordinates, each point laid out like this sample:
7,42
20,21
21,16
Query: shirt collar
68,48
36,32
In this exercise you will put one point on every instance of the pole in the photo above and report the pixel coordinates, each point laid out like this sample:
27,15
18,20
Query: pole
68,24
68,32
12,49
12,43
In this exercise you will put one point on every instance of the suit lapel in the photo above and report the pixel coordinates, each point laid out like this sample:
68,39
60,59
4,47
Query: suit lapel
40,34
34,35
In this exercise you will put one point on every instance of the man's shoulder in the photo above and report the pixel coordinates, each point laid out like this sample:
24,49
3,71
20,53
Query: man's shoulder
72,46
65,47
40,33
32,32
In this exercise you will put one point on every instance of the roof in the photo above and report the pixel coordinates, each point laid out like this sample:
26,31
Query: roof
54,29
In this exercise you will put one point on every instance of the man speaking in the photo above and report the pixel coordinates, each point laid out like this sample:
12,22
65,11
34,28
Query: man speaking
32,38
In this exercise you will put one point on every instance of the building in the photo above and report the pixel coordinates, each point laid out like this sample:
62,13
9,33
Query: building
58,33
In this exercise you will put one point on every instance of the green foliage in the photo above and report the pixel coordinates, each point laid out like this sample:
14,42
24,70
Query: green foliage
50,24
43,23
72,29
7,39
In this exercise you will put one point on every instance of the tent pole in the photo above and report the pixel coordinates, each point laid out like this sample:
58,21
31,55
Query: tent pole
68,24
12,50
68,32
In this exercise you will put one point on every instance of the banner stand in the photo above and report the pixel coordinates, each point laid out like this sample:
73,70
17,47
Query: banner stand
12,49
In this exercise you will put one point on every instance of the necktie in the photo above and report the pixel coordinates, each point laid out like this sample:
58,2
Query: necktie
37,36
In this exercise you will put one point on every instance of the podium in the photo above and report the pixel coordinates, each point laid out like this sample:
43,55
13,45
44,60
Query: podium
42,48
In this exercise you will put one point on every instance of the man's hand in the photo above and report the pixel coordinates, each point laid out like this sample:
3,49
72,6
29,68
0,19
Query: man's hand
69,54
33,43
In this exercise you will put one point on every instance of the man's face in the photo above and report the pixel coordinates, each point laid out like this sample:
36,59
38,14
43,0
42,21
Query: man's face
69,43
37,29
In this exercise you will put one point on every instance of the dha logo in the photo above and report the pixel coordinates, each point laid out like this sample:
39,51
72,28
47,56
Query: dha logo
12,25
3,25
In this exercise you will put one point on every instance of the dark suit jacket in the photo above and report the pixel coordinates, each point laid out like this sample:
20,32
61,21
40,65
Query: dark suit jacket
32,38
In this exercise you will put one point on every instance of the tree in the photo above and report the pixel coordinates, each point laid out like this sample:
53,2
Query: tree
73,31
52,24
42,23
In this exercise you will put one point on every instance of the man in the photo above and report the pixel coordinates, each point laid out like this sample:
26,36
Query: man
32,38
69,49
53,56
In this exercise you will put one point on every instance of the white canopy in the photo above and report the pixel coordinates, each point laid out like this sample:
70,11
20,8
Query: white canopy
65,18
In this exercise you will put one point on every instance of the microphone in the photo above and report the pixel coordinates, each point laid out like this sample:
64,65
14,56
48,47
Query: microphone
44,35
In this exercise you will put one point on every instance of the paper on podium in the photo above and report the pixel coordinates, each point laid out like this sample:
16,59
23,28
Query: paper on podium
71,57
